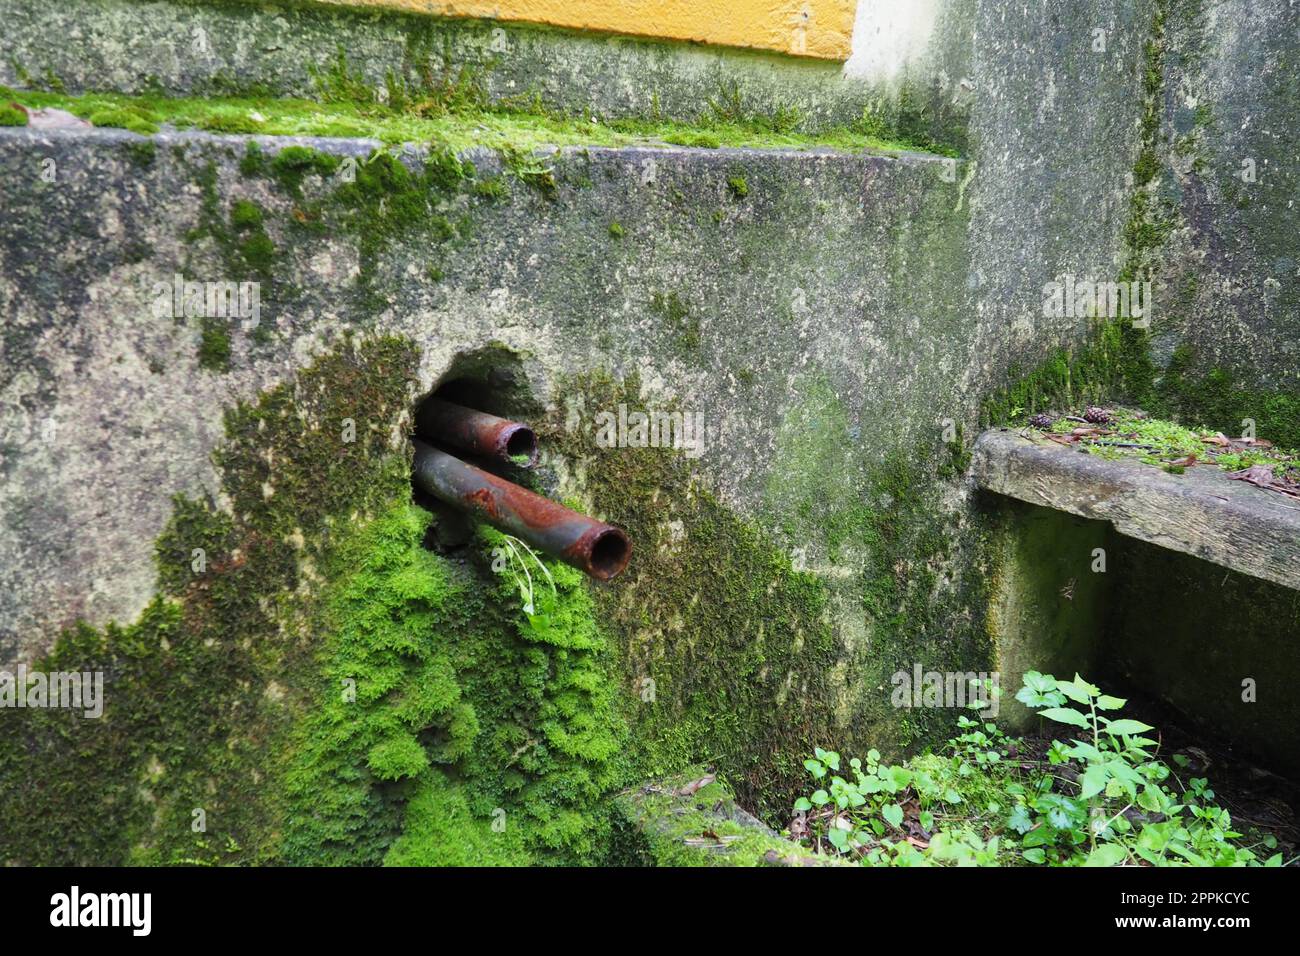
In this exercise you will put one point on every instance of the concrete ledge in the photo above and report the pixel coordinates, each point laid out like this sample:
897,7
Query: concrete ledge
1201,512
692,819
195,48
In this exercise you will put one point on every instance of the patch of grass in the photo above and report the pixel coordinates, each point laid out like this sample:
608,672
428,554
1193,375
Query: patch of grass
11,116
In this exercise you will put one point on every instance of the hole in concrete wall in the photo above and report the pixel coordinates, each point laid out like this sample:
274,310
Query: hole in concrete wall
493,380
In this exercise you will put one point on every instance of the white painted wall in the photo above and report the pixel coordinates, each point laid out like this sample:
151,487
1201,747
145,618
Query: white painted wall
888,34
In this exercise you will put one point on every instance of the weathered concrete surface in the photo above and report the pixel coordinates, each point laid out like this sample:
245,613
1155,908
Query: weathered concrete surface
1217,645
1230,269
1049,601
1201,512
685,821
190,47
828,274
866,304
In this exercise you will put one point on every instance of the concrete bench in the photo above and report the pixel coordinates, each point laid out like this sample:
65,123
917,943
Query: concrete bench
1201,512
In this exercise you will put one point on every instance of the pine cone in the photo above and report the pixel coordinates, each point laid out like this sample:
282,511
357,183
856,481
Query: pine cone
1097,416
1042,422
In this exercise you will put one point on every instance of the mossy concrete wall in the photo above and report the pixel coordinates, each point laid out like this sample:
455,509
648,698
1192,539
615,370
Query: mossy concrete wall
226,47
1049,601
835,322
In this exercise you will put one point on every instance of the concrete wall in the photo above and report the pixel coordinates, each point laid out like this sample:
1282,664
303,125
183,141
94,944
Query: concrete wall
872,302
840,319
1227,264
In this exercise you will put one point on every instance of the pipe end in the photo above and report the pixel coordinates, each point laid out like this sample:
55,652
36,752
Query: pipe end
519,445
610,553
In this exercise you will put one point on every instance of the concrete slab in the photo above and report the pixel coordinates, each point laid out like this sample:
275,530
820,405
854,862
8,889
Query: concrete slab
1201,512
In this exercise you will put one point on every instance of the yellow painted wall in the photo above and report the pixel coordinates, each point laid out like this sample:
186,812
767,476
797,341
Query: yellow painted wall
815,28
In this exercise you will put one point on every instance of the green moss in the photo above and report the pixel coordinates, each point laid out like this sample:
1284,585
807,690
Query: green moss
253,162
740,652
1217,399
202,691
293,164
1113,363
697,140
738,186
323,687
503,127
245,214
230,120
616,230
11,116
137,119
440,829
142,152
240,239
678,319
214,345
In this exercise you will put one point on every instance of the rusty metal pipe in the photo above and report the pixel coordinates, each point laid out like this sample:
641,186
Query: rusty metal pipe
477,432
599,549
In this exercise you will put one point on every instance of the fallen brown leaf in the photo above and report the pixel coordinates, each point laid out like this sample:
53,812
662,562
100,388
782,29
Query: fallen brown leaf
696,785
51,118
1262,477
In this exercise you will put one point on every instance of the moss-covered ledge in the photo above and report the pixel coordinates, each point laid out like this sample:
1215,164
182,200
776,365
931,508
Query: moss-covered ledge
692,819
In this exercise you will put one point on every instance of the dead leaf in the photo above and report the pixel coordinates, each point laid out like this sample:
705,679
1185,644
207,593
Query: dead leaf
51,118
1262,476
1218,438
918,843
695,785
1185,462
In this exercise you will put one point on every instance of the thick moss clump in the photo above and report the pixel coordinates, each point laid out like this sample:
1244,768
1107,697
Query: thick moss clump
202,689
312,685
451,726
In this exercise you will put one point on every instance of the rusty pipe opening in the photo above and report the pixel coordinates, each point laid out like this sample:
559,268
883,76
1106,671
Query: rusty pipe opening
598,549
477,433
609,554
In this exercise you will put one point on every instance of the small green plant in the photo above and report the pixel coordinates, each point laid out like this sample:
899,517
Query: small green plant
529,169
515,559
616,230
1103,798
738,186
